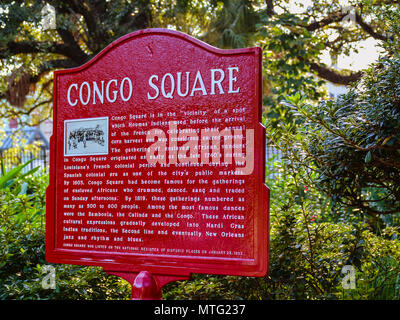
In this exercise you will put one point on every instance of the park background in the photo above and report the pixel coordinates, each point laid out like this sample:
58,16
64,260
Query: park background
331,106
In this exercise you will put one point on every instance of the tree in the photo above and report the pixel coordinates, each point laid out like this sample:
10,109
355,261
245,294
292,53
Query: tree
292,40
29,53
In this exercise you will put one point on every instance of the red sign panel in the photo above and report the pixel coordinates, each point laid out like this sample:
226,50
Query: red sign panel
157,159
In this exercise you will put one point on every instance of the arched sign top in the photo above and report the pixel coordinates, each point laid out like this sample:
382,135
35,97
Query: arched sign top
160,32
157,159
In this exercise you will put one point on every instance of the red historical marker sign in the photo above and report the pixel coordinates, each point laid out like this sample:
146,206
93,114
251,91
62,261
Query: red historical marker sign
157,160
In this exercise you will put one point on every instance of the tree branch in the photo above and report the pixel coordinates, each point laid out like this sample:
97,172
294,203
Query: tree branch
368,29
334,17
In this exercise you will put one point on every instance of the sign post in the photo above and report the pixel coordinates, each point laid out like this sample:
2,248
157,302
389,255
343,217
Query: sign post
157,162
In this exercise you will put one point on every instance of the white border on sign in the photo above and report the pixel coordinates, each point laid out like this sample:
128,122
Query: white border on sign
102,149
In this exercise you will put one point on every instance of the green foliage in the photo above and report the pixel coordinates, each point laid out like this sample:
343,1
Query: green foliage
288,49
292,35
22,246
307,251
233,24
378,278
294,38
338,178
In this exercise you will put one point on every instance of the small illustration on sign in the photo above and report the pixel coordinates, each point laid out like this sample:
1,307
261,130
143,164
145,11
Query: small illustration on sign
86,136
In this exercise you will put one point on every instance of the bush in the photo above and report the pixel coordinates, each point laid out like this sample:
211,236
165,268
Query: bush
307,252
308,249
